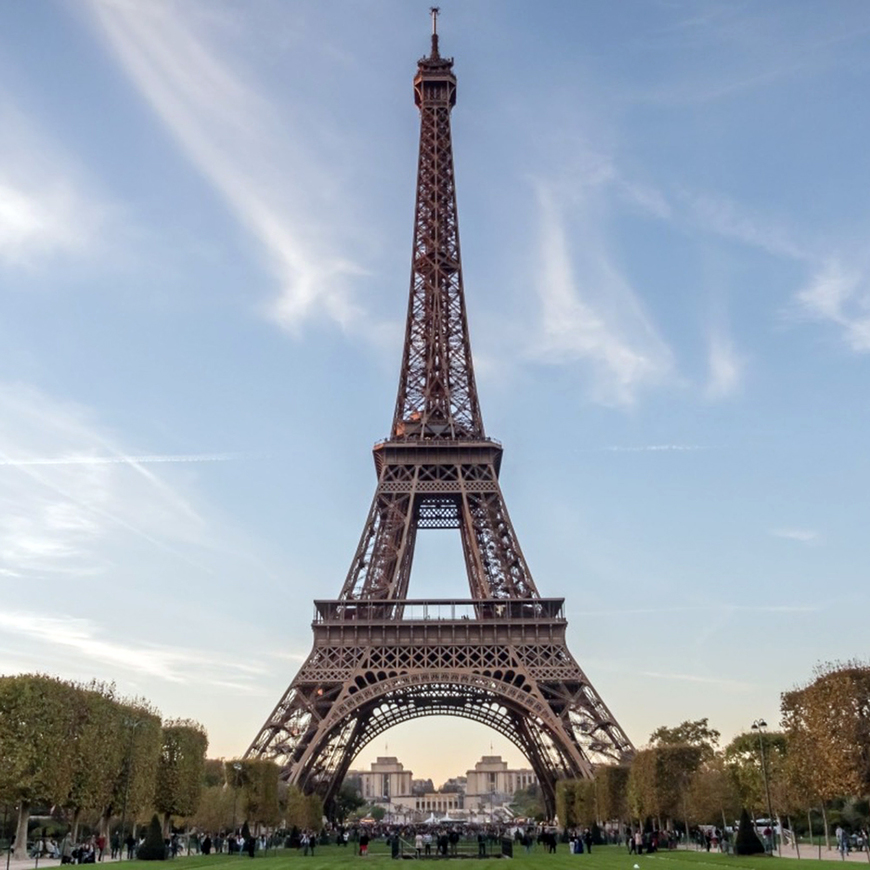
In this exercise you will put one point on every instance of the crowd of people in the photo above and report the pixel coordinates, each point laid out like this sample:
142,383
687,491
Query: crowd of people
423,841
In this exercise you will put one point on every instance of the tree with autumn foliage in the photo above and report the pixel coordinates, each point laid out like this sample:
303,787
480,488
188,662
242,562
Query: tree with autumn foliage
611,783
828,727
743,761
659,780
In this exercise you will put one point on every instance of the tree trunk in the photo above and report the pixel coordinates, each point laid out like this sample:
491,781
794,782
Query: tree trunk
104,826
827,830
75,830
797,845
167,818
20,852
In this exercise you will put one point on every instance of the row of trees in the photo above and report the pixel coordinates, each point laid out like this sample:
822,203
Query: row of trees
250,790
83,750
819,758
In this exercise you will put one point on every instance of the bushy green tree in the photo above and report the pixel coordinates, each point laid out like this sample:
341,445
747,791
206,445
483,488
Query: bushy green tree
97,749
660,778
37,729
180,769
695,732
529,802
260,792
347,801
566,795
141,740
611,783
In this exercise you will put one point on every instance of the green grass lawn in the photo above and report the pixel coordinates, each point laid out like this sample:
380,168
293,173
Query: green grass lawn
602,858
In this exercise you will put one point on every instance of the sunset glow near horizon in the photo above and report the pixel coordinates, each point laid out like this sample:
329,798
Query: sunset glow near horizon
205,226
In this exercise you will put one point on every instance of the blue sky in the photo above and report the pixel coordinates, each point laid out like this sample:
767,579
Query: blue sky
205,231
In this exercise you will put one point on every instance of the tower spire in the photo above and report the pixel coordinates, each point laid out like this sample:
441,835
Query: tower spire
437,393
434,10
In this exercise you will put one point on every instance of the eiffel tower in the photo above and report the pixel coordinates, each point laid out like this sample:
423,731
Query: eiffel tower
381,658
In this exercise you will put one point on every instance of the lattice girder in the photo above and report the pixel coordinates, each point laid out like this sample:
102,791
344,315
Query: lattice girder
512,673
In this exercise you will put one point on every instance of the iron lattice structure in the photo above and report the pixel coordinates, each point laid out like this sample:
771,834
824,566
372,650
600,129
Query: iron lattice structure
380,658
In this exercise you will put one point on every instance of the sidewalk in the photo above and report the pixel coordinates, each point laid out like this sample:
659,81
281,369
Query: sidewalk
807,853
812,852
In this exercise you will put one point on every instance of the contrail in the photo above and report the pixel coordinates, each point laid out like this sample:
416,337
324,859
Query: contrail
122,460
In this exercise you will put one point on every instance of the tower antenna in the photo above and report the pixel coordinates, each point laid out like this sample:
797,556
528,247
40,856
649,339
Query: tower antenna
434,10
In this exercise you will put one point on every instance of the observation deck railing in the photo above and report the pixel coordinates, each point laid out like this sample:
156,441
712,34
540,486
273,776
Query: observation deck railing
440,610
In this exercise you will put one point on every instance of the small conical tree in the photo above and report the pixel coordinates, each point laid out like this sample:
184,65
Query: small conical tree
153,849
747,841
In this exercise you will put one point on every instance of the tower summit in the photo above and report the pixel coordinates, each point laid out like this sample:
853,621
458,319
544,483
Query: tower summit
380,658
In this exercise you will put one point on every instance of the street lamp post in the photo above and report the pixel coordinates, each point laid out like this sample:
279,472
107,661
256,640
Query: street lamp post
759,725
132,724
236,767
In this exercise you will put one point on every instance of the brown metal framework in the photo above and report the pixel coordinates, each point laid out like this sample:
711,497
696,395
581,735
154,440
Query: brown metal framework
380,658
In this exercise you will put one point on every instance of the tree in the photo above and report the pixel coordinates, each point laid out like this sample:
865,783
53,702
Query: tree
215,810
828,728
660,777
712,798
260,792
529,803
97,749
743,760
141,740
566,798
214,772
696,732
347,801
377,812
612,787
303,811
36,731
180,769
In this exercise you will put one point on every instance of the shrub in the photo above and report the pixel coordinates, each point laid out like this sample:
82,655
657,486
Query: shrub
747,841
153,849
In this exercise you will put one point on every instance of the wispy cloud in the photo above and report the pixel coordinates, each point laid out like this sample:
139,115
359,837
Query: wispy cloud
230,132
86,641
804,536
725,217
841,296
589,312
119,460
45,208
736,685
726,367
68,491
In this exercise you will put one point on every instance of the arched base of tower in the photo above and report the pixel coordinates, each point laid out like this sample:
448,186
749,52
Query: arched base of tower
508,667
